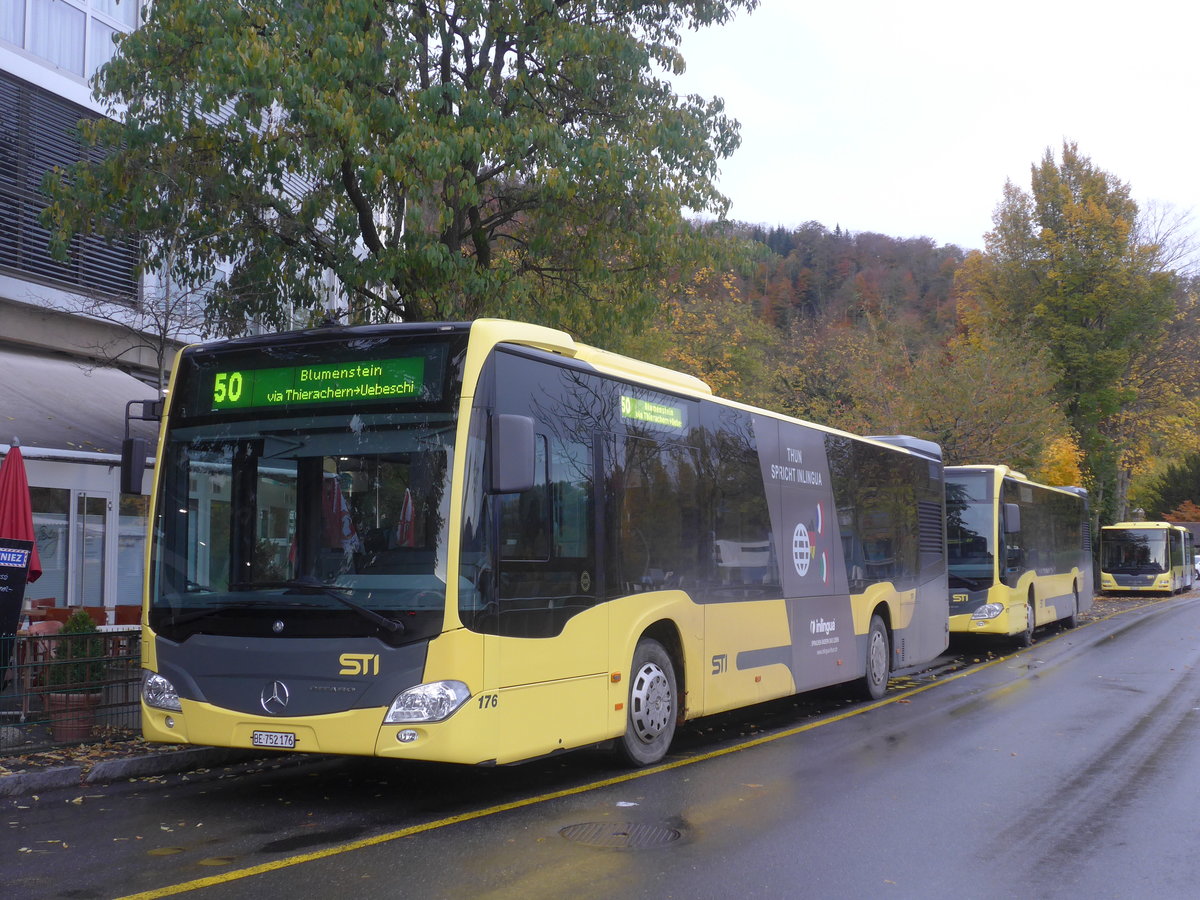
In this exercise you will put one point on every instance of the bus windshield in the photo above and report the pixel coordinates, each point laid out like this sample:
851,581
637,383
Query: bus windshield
307,518
1135,551
970,530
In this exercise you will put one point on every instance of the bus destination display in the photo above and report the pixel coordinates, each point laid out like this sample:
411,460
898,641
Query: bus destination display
341,382
651,413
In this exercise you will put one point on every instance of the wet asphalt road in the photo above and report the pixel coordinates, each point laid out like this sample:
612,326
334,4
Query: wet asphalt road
1071,769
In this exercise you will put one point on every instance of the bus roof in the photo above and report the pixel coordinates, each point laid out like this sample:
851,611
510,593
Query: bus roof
555,341
1153,525
1008,472
919,446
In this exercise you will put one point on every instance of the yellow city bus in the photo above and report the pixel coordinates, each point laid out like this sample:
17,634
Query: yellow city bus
1019,553
1146,556
485,542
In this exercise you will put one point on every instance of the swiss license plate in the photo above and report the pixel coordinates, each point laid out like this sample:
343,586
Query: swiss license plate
281,739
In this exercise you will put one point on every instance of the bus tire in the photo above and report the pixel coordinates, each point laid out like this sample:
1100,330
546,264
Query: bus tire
1025,638
651,714
879,660
1073,619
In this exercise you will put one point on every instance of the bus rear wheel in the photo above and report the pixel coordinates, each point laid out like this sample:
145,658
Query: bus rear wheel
650,719
1073,619
879,660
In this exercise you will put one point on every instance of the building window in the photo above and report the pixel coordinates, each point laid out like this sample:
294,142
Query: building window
103,48
12,22
73,35
124,12
52,528
39,130
56,33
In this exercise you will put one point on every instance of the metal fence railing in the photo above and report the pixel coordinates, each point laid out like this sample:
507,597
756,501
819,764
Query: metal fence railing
69,688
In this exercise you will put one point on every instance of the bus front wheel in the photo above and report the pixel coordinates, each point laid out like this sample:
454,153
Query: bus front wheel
650,720
1025,638
879,660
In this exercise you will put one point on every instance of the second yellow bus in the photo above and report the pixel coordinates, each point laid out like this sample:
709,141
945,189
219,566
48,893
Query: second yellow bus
1019,552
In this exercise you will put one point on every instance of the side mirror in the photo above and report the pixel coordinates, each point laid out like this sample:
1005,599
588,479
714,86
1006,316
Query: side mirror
133,464
135,450
1012,518
512,453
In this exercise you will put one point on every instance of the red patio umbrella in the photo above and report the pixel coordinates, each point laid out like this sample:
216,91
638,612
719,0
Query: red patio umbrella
16,511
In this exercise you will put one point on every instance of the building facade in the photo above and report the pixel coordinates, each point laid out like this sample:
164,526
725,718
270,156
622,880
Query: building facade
68,366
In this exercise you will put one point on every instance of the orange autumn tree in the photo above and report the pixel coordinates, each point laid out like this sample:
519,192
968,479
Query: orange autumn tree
1059,465
1187,511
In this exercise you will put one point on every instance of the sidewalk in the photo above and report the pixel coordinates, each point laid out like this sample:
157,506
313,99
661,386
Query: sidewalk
108,761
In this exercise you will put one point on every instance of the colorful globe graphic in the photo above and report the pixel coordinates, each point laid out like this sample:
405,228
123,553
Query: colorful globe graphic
801,550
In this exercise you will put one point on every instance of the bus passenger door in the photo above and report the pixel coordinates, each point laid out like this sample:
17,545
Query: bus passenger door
550,649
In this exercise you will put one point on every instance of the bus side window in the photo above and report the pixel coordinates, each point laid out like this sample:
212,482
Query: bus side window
525,517
654,539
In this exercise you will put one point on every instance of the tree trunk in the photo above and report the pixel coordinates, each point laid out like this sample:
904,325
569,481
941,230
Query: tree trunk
1121,498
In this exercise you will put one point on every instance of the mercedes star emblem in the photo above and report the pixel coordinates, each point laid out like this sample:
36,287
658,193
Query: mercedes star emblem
275,698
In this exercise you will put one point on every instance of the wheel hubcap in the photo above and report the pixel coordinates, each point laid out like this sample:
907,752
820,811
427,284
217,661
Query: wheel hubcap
878,658
650,702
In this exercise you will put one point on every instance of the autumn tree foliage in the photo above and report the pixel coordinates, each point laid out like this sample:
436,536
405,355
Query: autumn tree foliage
1161,390
1187,511
1066,272
1060,462
816,274
975,396
423,160
1177,483
705,327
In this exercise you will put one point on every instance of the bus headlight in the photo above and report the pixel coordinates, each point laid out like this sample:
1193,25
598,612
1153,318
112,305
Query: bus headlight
427,702
158,692
988,611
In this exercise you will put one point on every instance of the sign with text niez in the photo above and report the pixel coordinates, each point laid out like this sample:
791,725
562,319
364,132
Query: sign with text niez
14,570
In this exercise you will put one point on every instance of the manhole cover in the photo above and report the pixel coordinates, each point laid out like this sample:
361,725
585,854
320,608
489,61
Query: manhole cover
620,835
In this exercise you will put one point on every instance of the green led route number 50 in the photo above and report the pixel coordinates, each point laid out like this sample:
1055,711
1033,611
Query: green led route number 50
227,387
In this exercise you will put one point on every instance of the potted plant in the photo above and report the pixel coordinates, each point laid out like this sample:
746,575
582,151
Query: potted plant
75,679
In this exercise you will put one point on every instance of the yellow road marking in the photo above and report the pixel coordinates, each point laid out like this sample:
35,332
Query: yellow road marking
226,877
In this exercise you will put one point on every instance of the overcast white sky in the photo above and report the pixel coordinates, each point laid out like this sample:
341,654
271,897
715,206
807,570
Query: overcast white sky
907,117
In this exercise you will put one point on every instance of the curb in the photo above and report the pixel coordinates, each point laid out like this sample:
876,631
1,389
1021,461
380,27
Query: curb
110,770
165,763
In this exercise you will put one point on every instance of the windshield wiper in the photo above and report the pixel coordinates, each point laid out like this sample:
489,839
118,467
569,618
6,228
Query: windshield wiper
184,617
306,584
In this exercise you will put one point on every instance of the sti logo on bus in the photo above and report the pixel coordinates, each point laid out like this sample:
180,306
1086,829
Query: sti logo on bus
359,664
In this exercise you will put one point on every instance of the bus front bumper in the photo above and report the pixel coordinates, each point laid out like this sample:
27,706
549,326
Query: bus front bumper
358,732
1008,621
1136,585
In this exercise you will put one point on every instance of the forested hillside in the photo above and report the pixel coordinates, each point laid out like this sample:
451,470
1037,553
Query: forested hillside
1068,348
813,273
